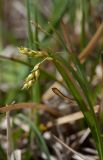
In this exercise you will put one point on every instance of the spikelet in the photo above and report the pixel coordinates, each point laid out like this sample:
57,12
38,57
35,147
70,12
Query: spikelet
37,74
34,75
31,78
32,53
28,84
36,67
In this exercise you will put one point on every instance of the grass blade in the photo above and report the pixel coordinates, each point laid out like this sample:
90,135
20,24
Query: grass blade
37,133
30,34
88,112
59,10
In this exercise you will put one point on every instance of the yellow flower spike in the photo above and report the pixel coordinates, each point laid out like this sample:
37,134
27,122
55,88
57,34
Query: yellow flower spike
30,83
23,50
25,86
30,77
36,67
37,74
32,53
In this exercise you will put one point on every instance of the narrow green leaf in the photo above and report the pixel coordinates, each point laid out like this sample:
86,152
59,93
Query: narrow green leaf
30,33
57,13
88,114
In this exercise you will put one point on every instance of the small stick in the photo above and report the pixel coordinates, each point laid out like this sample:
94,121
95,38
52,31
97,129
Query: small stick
69,148
66,37
30,105
60,94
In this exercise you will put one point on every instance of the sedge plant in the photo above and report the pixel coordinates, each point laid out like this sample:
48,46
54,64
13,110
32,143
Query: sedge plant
76,82
72,72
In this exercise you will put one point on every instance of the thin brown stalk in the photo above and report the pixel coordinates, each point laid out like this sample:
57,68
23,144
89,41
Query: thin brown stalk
30,105
61,95
66,37
9,137
92,44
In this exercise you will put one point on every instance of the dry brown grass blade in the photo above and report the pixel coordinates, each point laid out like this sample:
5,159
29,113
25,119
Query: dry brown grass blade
60,94
92,44
30,105
66,37
69,118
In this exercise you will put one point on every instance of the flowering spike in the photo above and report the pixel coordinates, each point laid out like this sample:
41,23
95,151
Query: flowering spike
37,74
36,67
32,53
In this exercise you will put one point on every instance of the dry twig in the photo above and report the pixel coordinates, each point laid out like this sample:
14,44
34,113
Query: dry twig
29,106
69,148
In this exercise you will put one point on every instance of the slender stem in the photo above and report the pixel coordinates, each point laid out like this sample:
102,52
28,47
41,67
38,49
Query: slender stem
29,65
31,105
9,140
92,44
67,38
15,60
